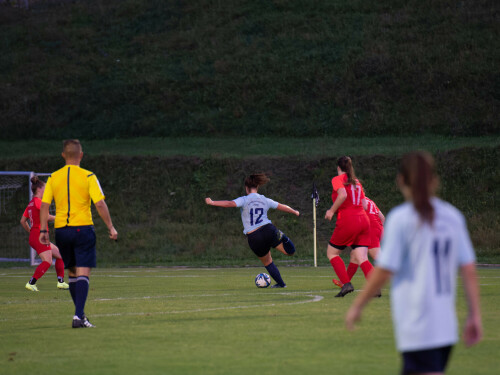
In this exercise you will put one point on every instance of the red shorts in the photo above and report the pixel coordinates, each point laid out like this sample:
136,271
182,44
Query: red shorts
376,231
35,243
351,230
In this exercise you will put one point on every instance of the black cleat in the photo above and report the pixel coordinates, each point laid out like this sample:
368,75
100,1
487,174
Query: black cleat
278,286
346,289
82,323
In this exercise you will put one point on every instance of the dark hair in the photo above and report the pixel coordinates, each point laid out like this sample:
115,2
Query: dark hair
418,172
256,180
345,165
36,183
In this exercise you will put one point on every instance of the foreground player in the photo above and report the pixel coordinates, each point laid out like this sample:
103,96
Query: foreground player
352,227
377,219
72,188
261,233
45,252
425,242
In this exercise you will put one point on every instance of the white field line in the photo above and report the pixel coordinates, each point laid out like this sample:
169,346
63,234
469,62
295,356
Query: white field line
312,298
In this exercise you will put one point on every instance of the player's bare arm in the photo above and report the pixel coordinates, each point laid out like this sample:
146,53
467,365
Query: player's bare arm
44,217
377,280
285,208
102,209
473,329
341,197
24,224
210,202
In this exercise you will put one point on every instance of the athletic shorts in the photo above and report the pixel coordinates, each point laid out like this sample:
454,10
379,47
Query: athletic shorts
262,239
351,230
34,241
423,361
376,231
77,246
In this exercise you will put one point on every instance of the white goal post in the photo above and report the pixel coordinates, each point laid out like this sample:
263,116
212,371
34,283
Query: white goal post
15,194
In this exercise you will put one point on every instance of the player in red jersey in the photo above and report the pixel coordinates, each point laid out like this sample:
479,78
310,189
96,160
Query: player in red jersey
377,219
45,252
353,226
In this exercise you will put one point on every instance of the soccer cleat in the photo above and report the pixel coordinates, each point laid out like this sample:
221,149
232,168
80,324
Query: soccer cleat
82,323
62,285
346,289
32,288
337,282
278,286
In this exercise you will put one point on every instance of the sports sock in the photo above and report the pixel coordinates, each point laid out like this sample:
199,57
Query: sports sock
60,270
351,270
32,281
339,268
288,245
72,288
41,269
367,268
275,273
82,290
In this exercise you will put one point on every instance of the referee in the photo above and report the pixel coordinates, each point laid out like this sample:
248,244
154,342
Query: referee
72,188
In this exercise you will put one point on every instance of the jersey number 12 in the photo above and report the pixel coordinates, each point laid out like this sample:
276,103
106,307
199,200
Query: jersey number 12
258,211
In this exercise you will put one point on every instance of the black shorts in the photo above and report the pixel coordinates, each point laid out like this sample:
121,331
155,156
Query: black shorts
430,360
263,239
77,246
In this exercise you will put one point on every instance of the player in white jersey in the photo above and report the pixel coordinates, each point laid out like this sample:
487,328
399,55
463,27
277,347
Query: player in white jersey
425,242
260,232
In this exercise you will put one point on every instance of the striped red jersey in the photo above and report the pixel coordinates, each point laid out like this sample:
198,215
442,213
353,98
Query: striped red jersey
372,211
355,194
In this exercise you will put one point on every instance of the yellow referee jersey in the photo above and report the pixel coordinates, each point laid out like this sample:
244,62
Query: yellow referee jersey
72,188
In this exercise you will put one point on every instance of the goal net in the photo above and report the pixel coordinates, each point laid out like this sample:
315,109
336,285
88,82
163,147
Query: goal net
15,194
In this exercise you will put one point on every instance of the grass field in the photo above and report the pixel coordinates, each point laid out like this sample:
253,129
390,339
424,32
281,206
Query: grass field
239,147
213,321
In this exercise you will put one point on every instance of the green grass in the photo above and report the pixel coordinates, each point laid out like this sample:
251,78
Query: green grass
104,69
212,321
242,147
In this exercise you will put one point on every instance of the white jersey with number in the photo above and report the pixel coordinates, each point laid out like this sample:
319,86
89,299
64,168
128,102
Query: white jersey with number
424,260
254,209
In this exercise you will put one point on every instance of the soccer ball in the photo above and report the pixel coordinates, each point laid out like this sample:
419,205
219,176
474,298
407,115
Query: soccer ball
262,280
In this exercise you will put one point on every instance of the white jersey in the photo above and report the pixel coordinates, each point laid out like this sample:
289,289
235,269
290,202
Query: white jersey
425,260
254,209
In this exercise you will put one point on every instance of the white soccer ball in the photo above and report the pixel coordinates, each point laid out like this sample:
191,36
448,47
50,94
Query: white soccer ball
262,280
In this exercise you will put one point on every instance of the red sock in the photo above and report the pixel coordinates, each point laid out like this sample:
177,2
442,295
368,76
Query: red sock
41,269
351,270
60,268
367,267
339,268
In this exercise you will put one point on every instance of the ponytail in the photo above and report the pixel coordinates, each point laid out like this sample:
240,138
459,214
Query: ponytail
256,180
418,173
345,165
36,183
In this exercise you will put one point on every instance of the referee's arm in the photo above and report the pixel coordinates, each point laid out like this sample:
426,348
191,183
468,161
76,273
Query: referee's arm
44,218
102,209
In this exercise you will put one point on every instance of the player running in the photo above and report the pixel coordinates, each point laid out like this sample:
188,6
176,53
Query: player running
46,252
352,227
260,232
377,219
425,242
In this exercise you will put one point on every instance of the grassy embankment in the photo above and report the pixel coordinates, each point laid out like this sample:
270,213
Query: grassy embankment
105,69
158,202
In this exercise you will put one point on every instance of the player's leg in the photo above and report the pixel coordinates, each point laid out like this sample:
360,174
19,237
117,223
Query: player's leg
46,257
373,252
274,272
59,266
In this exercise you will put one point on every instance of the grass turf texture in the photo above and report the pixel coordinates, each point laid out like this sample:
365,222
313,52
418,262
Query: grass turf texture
213,321
105,69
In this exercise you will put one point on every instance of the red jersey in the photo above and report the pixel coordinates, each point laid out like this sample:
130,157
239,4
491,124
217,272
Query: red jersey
32,212
355,194
373,211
